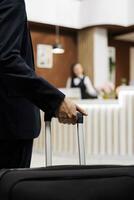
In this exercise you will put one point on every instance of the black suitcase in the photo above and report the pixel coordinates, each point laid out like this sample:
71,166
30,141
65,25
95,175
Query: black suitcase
68,182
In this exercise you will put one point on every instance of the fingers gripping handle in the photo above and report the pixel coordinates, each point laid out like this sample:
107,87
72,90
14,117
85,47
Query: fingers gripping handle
48,118
80,135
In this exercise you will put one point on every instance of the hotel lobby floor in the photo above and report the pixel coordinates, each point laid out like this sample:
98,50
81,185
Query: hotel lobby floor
38,160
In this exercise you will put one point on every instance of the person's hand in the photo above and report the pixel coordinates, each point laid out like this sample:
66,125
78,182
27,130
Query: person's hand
67,112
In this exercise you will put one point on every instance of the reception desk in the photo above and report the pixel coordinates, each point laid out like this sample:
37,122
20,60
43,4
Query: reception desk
109,129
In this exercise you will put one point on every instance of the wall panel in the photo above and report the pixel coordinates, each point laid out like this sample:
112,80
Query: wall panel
42,34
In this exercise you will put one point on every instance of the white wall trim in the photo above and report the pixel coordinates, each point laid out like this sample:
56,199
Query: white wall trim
79,14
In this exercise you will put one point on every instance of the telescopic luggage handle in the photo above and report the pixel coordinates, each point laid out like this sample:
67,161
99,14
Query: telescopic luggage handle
80,135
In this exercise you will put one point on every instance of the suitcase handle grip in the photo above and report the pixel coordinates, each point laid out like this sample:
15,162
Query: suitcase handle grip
80,136
80,118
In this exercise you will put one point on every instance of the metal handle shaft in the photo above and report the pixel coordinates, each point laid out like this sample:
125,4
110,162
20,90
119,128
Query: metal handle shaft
81,144
80,135
48,143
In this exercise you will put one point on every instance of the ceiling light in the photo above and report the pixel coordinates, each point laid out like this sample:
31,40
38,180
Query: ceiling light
57,47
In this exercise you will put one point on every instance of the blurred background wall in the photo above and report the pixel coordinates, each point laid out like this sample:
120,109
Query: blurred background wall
87,29
42,34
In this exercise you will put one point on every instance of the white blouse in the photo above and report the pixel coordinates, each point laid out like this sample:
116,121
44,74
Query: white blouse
89,87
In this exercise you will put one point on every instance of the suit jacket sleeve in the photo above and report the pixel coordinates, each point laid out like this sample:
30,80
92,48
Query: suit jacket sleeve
14,71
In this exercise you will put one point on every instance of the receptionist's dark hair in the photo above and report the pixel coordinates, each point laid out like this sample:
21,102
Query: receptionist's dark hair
72,70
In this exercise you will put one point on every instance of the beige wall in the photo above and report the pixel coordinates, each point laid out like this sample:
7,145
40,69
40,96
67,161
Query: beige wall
85,50
131,64
93,54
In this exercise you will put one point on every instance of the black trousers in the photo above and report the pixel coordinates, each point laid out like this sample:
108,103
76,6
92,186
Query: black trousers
15,153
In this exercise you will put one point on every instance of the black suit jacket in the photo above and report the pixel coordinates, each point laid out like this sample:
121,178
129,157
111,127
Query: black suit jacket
22,92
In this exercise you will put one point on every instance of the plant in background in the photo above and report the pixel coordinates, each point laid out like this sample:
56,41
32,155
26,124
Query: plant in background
111,68
112,64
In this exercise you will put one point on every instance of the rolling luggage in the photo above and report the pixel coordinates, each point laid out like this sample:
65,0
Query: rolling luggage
68,182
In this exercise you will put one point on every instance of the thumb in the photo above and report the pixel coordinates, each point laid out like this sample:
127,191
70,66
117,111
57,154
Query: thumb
81,110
